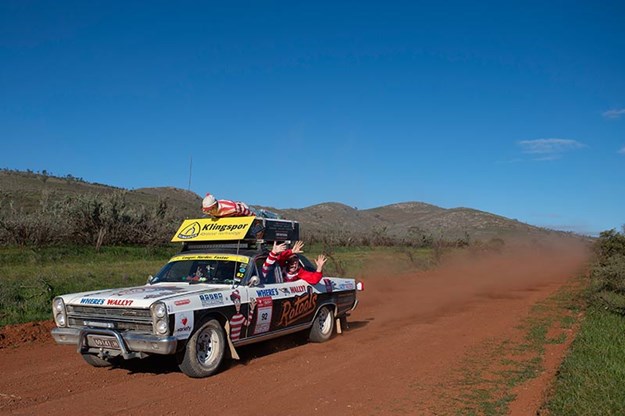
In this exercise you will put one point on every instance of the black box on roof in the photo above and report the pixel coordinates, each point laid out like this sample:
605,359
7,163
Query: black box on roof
273,230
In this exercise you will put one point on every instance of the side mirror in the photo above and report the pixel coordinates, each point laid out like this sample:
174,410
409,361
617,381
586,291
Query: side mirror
151,279
254,281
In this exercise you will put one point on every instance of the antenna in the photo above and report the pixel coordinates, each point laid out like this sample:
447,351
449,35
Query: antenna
190,170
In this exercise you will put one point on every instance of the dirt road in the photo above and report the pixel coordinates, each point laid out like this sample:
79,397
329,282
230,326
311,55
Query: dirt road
408,337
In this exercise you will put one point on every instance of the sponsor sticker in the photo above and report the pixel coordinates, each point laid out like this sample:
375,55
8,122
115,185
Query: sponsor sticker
152,291
223,257
211,299
298,308
119,302
346,286
183,325
267,292
298,289
90,301
213,229
264,308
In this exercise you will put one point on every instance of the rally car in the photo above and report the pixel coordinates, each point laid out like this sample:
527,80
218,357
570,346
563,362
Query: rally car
207,300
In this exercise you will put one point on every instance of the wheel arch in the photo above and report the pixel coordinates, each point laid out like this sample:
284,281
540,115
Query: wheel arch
202,316
330,304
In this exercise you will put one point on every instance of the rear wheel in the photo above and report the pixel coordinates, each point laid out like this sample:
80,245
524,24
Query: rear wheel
205,350
96,361
323,325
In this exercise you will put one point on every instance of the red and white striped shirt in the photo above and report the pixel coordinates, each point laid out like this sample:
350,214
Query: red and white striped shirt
236,324
227,208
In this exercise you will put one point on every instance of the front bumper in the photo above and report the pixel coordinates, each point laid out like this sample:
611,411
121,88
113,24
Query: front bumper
131,344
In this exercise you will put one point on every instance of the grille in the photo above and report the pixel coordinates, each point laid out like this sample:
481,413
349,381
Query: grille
122,326
115,318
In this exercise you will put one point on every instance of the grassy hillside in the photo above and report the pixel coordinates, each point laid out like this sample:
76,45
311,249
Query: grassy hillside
413,223
27,192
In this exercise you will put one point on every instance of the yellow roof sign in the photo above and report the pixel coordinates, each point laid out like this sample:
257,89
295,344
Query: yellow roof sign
213,229
225,257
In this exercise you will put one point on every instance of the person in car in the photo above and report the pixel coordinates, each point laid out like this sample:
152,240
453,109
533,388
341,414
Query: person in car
292,270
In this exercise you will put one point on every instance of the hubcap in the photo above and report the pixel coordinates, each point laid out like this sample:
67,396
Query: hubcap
324,320
206,346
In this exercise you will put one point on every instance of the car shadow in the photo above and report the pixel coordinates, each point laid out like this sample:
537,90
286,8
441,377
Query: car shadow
166,364
261,349
154,364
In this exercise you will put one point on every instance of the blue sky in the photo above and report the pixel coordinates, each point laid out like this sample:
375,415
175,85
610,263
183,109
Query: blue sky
514,108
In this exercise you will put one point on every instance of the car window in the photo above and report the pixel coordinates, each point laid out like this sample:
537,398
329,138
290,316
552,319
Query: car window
308,265
201,271
274,276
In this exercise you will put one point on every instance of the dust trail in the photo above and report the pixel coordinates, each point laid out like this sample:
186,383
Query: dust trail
396,299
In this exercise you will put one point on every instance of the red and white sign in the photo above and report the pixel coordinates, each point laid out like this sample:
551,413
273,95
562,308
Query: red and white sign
264,308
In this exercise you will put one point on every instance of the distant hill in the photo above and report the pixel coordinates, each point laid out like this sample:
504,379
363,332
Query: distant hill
26,191
410,220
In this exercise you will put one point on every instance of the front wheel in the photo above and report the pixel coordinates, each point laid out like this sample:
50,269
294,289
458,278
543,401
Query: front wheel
205,351
322,326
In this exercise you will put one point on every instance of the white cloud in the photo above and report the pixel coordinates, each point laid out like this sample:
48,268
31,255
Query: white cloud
549,149
616,113
622,151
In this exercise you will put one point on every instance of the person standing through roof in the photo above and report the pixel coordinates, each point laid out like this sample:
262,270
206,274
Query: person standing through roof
290,264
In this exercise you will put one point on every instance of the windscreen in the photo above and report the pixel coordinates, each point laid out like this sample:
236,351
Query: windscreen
213,268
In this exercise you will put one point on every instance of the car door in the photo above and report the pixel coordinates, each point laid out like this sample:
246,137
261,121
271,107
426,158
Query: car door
280,306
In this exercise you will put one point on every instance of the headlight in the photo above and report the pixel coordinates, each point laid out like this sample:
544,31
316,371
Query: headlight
58,311
159,310
160,320
161,326
58,305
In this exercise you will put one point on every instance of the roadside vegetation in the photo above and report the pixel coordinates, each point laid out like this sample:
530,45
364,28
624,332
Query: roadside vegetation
87,219
31,277
591,380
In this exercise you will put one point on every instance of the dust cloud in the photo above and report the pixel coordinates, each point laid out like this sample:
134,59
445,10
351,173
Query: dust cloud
467,277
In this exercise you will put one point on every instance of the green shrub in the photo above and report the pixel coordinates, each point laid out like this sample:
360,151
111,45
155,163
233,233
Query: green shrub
609,244
607,283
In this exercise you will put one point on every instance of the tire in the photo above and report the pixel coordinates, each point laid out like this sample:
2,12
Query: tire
96,361
205,351
322,326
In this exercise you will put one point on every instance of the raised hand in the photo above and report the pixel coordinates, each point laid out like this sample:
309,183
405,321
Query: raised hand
278,248
321,260
298,247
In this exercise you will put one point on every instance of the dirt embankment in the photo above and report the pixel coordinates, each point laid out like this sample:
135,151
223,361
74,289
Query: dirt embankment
408,338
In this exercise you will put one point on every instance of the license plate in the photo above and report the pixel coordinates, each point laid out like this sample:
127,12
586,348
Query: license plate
103,342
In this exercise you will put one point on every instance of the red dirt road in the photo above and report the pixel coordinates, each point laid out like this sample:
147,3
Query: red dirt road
407,339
